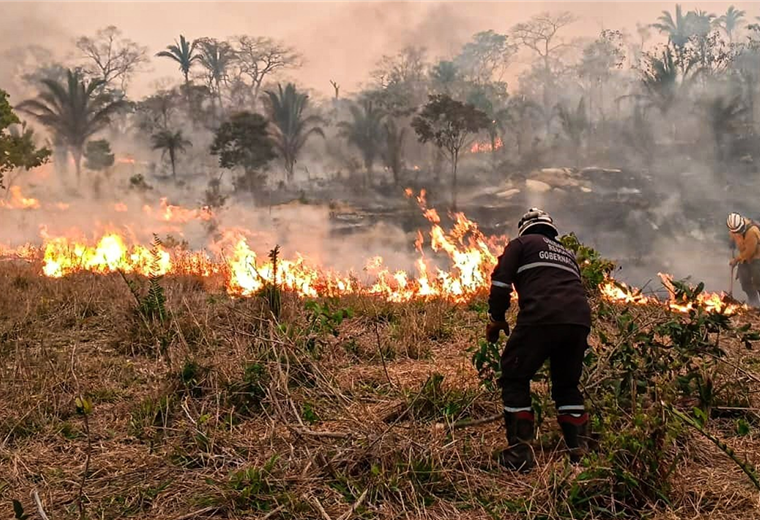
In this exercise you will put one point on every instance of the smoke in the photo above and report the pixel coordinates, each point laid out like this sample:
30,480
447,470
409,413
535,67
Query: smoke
671,221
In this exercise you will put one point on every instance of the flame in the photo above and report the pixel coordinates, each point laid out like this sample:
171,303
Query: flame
469,255
177,214
120,207
486,147
619,292
18,201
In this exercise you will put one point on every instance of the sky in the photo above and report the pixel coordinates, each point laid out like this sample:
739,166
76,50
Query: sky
340,41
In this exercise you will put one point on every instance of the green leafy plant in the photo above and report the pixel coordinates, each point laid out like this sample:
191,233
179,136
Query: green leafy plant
323,319
594,268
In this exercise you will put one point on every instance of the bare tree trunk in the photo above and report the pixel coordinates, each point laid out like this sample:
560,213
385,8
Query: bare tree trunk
454,159
77,154
172,158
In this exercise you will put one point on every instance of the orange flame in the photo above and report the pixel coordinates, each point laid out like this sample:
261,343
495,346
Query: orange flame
469,254
486,147
18,201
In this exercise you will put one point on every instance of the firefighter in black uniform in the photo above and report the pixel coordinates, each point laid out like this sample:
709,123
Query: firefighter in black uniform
553,323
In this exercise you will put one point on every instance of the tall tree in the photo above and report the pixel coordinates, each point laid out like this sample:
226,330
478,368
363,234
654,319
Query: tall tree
243,142
541,35
182,52
259,58
677,28
485,58
444,77
365,131
449,124
393,153
291,126
491,99
216,57
17,148
403,79
73,112
600,59
575,125
111,57
170,143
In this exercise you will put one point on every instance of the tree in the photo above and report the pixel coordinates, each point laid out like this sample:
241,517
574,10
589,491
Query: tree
17,148
403,79
677,28
365,132
155,112
259,58
660,82
291,127
540,35
485,58
393,154
73,112
216,57
170,143
600,58
111,57
449,124
98,156
182,52
575,125
491,99
444,76
243,142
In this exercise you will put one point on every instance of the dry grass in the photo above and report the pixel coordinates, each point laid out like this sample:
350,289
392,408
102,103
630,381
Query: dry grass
224,412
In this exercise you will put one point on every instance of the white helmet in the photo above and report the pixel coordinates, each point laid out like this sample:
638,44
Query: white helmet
736,223
535,217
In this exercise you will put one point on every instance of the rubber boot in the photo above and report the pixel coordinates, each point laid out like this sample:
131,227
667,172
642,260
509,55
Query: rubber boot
752,299
576,430
519,455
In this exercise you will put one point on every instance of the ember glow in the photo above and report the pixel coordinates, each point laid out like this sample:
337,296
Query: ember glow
469,255
18,201
487,146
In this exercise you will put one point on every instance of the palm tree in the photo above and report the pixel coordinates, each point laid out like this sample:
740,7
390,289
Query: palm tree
171,143
660,82
183,52
731,21
290,127
393,155
216,57
677,28
365,132
72,111
575,125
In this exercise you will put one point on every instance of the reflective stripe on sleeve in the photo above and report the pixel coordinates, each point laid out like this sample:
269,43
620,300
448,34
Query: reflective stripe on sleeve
497,283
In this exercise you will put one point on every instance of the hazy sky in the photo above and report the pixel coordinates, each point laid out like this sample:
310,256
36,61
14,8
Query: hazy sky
340,40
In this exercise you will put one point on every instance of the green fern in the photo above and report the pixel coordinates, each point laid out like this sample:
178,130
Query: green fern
153,304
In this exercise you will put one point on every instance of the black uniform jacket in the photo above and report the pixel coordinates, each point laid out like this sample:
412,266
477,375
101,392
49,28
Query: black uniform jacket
548,283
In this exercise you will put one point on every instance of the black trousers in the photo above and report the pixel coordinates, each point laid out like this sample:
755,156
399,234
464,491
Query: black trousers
528,348
749,278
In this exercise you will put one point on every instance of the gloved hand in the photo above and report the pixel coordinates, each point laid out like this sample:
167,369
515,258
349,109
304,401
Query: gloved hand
733,262
493,328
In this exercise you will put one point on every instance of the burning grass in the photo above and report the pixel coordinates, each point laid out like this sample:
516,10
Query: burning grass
344,407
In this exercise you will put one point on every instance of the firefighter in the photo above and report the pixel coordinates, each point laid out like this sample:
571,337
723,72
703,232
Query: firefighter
553,323
746,235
